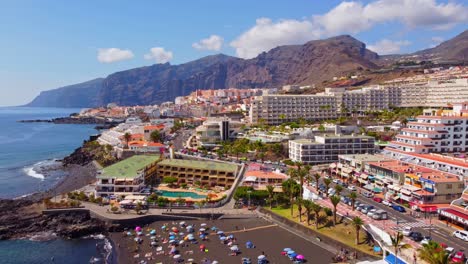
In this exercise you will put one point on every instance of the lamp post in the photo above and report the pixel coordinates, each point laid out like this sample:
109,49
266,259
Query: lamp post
248,193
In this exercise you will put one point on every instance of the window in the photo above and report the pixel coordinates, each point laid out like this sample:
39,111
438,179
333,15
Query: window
449,186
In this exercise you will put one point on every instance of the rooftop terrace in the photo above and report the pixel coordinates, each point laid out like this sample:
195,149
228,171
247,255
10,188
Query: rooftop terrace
202,165
128,168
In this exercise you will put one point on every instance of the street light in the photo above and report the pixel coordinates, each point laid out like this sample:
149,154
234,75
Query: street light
248,193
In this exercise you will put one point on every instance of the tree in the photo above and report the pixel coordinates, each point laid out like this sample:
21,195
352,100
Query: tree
316,208
353,196
317,178
335,200
290,188
127,136
308,208
357,223
299,173
138,207
170,180
270,189
338,189
282,117
433,253
156,136
327,183
397,241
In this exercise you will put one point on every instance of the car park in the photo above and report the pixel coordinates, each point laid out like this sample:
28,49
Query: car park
407,230
398,208
463,235
416,236
378,199
387,203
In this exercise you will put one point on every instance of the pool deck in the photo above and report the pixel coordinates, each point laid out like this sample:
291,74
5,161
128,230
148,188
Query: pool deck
219,196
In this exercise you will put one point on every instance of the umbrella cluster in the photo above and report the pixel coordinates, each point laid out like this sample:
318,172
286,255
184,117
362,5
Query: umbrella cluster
292,255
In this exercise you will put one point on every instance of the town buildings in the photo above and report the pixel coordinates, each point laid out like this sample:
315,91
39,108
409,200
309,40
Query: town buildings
216,130
326,148
259,179
198,172
277,109
126,177
457,213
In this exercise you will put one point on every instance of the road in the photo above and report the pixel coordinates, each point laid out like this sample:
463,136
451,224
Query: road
181,138
418,224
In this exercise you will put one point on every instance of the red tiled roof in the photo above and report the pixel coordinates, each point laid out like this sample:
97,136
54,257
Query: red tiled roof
154,127
266,174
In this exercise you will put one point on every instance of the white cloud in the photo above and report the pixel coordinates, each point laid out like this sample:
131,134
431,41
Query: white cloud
110,55
159,54
214,42
386,46
349,17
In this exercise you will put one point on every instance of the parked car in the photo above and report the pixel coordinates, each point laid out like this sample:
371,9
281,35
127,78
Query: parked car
459,257
378,199
398,208
416,236
336,181
426,240
380,215
360,206
331,191
371,213
344,199
366,209
387,203
352,188
463,235
367,194
407,230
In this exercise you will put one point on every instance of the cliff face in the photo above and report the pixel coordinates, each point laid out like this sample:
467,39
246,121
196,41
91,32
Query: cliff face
311,63
77,95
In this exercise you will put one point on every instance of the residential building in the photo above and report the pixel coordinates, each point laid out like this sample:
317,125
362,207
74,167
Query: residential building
457,213
277,109
259,179
146,147
435,131
126,177
216,130
326,148
151,128
204,173
353,166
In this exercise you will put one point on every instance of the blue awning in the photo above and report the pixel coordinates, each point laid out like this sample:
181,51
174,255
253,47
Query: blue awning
390,259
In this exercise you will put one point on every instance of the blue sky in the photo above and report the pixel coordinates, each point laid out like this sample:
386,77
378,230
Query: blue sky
50,43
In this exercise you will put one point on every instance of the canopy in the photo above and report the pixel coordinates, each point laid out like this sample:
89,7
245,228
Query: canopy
261,257
287,249
220,232
290,252
235,248
301,257
203,224
249,244
177,256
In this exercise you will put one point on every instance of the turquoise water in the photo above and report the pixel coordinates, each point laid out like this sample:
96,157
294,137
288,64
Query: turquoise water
181,194
24,146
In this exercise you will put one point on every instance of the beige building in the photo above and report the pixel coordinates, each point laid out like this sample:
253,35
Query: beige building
276,109
206,173
216,130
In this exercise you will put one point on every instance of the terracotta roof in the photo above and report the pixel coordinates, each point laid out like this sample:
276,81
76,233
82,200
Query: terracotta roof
154,127
437,158
266,174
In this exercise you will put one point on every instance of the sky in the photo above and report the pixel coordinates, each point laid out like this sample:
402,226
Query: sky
52,43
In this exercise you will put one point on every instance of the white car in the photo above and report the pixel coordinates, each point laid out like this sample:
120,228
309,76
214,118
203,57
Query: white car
407,231
335,181
371,212
331,191
463,235
387,203
352,188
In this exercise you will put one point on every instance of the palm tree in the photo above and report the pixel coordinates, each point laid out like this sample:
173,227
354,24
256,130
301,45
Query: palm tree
299,203
357,223
317,178
127,136
433,253
338,189
335,200
289,188
316,208
327,183
270,189
308,207
353,197
397,244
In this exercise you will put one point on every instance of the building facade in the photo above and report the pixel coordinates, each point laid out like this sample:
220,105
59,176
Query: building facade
216,130
327,148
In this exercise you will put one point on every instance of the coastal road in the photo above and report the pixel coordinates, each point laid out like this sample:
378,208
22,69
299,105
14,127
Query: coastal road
182,137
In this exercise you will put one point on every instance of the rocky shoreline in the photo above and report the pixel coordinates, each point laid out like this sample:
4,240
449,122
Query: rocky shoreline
73,119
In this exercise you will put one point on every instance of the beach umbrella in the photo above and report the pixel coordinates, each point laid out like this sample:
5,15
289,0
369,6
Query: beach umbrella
140,233
171,233
177,256
138,228
287,249
202,229
182,223
202,246
159,249
230,243
171,241
249,244
215,262
203,224
214,228
153,238
222,238
136,239
153,232
153,243
261,257
171,237
190,260
181,242
220,232
290,252
202,236
231,236
181,234
300,257
293,255
129,233
163,227
234,248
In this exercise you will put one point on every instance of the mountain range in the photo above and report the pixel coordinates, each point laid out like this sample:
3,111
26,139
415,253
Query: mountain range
311,63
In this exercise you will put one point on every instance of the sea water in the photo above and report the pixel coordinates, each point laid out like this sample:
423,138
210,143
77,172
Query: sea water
26,146
23,148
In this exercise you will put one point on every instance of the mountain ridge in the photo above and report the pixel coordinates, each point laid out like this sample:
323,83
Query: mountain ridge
314,62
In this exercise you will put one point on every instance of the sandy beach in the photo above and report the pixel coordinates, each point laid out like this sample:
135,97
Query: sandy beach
268,239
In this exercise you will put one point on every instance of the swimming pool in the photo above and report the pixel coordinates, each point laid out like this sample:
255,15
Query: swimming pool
171,194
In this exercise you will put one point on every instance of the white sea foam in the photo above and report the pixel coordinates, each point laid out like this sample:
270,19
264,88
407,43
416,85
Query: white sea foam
30,171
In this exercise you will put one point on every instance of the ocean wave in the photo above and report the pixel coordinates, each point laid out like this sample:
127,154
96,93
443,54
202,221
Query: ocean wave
31,172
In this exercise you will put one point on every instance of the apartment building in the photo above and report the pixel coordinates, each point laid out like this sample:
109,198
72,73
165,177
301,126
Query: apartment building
352,166
259,179
277,109
206,173
435,131
326,148
216,130
126,177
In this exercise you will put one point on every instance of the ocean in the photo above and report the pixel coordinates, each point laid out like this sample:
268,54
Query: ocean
24,147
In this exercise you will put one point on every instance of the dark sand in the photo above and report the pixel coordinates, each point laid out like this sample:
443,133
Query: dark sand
266,237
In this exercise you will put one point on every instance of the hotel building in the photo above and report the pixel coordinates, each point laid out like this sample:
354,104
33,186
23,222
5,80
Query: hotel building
207,173
126,177
216,130
326,148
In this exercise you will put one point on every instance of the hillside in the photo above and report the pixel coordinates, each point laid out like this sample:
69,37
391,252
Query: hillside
312,63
